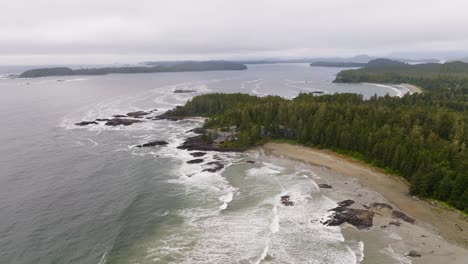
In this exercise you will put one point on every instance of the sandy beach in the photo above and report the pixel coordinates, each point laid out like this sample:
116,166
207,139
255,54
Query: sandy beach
439,235
412,88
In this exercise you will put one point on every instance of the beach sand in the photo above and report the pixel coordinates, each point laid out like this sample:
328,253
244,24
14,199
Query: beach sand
412,88
439,235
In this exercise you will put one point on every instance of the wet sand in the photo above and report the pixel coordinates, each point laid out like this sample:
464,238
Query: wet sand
439,235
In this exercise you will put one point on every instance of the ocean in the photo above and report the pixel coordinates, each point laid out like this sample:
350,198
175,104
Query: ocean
73,194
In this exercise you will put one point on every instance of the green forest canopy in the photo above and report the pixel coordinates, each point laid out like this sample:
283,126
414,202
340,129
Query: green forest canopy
422,137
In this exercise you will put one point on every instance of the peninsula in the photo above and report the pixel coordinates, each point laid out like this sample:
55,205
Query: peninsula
183,66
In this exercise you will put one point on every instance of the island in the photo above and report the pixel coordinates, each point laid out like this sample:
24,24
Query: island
183,66
430,76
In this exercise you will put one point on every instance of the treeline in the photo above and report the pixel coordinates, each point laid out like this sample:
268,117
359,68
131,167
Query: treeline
422,137
183,66
431,76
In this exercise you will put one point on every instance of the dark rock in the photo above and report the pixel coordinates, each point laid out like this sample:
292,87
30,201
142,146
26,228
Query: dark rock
198,154
216,166
346,203
325,186
121,121
250,161
197,130
382,205
395,223
384,226
184,91
103,119
365,206
85,123
458,227
285,200
119,116
198,143
195,161
356,217
400,215
137,114
413,254
152,144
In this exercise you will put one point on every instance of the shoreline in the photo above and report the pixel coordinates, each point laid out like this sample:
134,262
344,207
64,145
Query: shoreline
448,230
401,88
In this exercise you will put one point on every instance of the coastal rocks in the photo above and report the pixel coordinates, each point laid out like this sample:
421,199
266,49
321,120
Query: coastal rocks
216,166
122,121
395,223
152,144
197,130
184,91
198,143
362,219
119,116
345,203
195,161
198,154
381,206
138,114
103,119
414,254
85,123
285,200
325,186
400,215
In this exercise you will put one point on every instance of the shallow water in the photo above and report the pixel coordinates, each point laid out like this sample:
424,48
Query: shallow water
85,195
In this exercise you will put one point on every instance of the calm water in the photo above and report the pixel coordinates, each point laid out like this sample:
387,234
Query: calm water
84,195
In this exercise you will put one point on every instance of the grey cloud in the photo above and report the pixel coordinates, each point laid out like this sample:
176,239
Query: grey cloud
213,28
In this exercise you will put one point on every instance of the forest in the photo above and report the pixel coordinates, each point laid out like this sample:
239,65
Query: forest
421,137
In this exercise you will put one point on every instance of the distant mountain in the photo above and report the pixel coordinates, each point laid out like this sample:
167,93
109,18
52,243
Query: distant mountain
185,66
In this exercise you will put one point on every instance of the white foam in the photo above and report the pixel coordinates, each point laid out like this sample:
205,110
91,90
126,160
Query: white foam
398,257
263,255
274,226
261,171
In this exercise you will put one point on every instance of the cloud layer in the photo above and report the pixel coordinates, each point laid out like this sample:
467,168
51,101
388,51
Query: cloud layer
116,30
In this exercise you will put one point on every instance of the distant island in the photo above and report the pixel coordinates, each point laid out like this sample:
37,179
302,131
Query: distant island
337,64
183,66
428,75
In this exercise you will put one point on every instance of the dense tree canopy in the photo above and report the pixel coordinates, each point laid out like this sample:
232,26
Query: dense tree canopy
422,137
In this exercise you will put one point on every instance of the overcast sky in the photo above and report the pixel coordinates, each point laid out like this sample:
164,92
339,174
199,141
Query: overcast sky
125,31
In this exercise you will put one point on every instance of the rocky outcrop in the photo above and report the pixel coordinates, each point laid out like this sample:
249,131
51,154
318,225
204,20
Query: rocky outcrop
137,114
346,203
153,144
122,121
198,143
119,116
359,218
381,205
195,161
197,130
414,254
103,119
216,166
198,154
285,200
86,123
325,186
400,215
